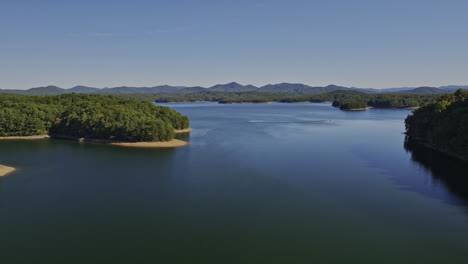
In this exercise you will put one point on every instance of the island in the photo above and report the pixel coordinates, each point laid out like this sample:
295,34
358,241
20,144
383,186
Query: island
91,118
442,125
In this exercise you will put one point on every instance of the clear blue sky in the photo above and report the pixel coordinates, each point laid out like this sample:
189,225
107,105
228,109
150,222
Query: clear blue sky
363,43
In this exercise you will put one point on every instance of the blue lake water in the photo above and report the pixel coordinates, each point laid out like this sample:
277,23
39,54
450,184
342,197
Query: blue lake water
266,183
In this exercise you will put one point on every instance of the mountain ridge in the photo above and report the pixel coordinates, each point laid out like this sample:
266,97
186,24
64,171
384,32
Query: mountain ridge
228,87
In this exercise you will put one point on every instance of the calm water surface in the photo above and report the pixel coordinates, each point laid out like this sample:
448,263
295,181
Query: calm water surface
270,183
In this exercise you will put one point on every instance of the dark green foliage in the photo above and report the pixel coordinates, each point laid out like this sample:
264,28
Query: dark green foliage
88,116
21,116
362,100
442,124
349,104
400,101
346,99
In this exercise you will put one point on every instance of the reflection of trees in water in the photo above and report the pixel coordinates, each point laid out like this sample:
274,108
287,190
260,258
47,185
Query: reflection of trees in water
450,172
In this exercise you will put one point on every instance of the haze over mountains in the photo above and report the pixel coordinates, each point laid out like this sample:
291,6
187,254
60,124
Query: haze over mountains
230,87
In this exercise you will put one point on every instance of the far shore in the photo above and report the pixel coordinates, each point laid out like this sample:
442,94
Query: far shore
268,102
181,102
370,107
26,137
4,170
245,102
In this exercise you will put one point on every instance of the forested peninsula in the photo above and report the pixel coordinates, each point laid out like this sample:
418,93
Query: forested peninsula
442,125
93,117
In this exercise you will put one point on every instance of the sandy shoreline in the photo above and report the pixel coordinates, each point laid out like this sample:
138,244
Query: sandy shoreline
4,170
161,144
26,137
358,109
155,144
183,130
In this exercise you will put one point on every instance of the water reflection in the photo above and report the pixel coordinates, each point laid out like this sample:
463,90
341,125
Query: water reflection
445,171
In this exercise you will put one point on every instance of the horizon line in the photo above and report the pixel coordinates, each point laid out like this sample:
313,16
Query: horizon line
233,82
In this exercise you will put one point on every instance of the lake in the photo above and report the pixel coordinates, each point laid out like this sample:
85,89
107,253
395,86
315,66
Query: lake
259,183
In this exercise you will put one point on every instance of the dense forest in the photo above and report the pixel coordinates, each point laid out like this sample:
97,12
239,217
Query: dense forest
344,99
360,100
443,124
88,116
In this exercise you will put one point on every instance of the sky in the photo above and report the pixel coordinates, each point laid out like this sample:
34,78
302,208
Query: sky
360,43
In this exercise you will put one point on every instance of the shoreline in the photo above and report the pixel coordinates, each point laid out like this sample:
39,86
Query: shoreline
411,108
5,170
155,144
174,143
387,108
181,102
299,102
185,130
358,109
26,137
247,103
422,142
278,102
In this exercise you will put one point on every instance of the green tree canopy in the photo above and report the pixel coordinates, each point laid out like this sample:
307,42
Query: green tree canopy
88,116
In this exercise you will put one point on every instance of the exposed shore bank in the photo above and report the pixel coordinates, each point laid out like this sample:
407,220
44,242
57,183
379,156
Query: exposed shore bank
155,144
186,130
4,170
388,108
358,109
174,143
26,137
47,136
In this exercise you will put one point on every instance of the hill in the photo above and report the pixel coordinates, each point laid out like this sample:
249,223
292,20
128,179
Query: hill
424,90
234,87
298,88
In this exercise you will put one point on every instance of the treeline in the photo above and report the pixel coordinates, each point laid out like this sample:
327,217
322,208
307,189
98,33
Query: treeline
361,100
88,116
216,96
443,124
345,99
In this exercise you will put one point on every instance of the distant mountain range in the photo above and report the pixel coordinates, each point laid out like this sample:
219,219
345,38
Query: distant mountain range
231,87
